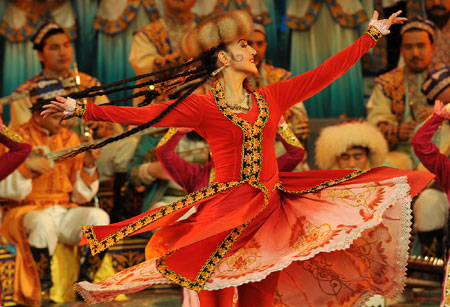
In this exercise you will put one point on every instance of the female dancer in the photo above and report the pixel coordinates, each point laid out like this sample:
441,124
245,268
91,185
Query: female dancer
301,239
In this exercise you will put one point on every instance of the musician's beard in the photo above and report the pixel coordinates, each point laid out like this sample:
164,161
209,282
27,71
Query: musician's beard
439,20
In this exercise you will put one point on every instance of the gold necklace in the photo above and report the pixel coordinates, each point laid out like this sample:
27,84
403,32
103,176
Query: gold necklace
244,107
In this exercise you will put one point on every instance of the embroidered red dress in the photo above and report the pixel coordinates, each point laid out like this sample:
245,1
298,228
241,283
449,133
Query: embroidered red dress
192,176
336,236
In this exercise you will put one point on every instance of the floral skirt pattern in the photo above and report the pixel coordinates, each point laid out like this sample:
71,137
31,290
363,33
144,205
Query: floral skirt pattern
336,246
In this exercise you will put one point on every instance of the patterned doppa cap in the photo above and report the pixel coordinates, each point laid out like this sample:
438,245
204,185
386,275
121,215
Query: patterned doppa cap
436,82
418,22
258,25
37,38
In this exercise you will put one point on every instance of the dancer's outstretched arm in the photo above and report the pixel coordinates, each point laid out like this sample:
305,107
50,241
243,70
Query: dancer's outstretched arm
310,83
427,151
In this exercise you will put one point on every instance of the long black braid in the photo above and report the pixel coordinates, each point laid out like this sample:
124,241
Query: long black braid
206,71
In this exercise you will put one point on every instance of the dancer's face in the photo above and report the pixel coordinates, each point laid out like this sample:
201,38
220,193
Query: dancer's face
354,158
257,40
241,57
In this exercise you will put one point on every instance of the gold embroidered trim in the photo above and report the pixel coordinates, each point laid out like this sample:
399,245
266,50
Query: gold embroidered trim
250,171
80,108
322,185
251,160
169,134
100,245
288,135
374,33
11,135
209,266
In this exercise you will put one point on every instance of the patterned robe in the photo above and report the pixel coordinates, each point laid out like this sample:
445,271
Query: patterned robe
55,187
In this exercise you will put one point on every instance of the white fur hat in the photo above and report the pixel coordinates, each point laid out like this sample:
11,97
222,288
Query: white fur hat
224,27
335,140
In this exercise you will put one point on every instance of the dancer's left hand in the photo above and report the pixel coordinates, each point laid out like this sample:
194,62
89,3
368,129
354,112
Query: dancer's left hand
441,109
383,25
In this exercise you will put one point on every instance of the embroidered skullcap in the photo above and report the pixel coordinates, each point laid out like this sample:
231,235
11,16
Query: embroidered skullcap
436,82
42,33
418,22
214,30
258,25
335,140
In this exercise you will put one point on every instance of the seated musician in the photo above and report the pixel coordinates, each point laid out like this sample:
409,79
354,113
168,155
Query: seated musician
56,54
42,200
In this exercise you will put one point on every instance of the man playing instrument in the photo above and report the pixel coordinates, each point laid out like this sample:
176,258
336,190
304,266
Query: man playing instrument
55,52
42,200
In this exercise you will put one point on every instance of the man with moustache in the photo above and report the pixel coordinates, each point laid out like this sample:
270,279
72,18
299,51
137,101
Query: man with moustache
397,105
438,11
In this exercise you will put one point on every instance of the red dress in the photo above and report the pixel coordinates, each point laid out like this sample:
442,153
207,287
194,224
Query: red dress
192,176
336,236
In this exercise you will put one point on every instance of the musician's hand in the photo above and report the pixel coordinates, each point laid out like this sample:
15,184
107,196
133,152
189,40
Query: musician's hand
69,122
62,105
90,157
92,124
38,164
423,113
383,25
406,129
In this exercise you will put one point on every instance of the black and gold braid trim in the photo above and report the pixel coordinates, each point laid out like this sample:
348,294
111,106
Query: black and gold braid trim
251,161
216,257
208,268
11,135
101,245
251,168
374,33
80,108
322,185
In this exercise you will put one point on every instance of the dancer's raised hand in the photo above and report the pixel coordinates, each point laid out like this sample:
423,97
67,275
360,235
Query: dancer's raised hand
441,109
383,25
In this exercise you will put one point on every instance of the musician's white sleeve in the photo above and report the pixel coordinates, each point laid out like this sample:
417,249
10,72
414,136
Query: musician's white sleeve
15,186
82,192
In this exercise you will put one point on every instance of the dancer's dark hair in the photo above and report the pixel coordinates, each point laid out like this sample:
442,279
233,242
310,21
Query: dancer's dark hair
170,79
